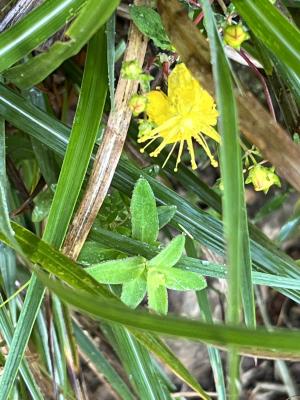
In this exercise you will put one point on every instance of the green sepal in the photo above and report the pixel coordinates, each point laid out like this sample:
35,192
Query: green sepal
178,279
170,255
144,219
117,271
134,291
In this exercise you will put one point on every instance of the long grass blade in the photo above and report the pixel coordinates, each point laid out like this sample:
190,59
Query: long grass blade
84,133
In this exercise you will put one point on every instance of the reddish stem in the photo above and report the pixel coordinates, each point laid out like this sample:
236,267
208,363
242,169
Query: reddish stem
262,80
199,18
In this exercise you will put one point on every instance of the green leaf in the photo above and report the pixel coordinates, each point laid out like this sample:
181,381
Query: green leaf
94,253
98,359
157,292
178,279
92,16
36,27
170,255
149,23
165,214
111,56
283,342
234,217
118,271
5,226
83,136
144,219
134,291
42,205
273,29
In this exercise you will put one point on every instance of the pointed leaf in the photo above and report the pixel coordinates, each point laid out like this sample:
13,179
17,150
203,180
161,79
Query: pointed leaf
170,255
165,214
157,292
177,279
134,291
117,271
144,219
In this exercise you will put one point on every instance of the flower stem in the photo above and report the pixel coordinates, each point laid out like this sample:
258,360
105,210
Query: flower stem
262,80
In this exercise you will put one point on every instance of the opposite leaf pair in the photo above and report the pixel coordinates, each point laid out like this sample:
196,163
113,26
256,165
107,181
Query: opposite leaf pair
140,276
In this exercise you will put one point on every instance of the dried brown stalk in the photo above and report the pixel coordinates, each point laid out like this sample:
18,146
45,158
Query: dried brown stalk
256,123
109,151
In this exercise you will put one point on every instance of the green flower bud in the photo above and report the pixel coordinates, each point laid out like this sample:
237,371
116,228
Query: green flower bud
137,104
262,178
131,70
235,35
145,127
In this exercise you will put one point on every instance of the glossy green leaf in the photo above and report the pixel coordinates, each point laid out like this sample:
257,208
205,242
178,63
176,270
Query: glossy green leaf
134,291
165,214
36,27
273,29
234,217
111,56
42,205
149,23
117,271
91,17
177,279
144,219
5,226
170,255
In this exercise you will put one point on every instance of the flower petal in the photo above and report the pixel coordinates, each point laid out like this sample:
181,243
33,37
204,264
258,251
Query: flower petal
183,89
158,107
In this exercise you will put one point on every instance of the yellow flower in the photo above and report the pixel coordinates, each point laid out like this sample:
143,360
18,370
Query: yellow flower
188,112
262,178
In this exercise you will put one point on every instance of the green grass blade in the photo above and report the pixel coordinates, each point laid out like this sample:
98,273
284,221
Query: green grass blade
94,355
165,355
5,226
91,17
234,217
280,342
8,270
111,56
234,207
206,316
84,133
273,29
138,364
36,27
7,330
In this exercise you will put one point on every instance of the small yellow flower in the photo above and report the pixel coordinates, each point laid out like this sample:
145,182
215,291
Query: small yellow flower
235,35
188,112
262,178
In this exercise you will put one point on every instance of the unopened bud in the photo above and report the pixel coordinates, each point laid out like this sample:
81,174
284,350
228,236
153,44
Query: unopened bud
235,35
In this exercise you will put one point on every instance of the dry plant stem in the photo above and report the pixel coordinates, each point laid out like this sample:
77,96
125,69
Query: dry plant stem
109,151
256,124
